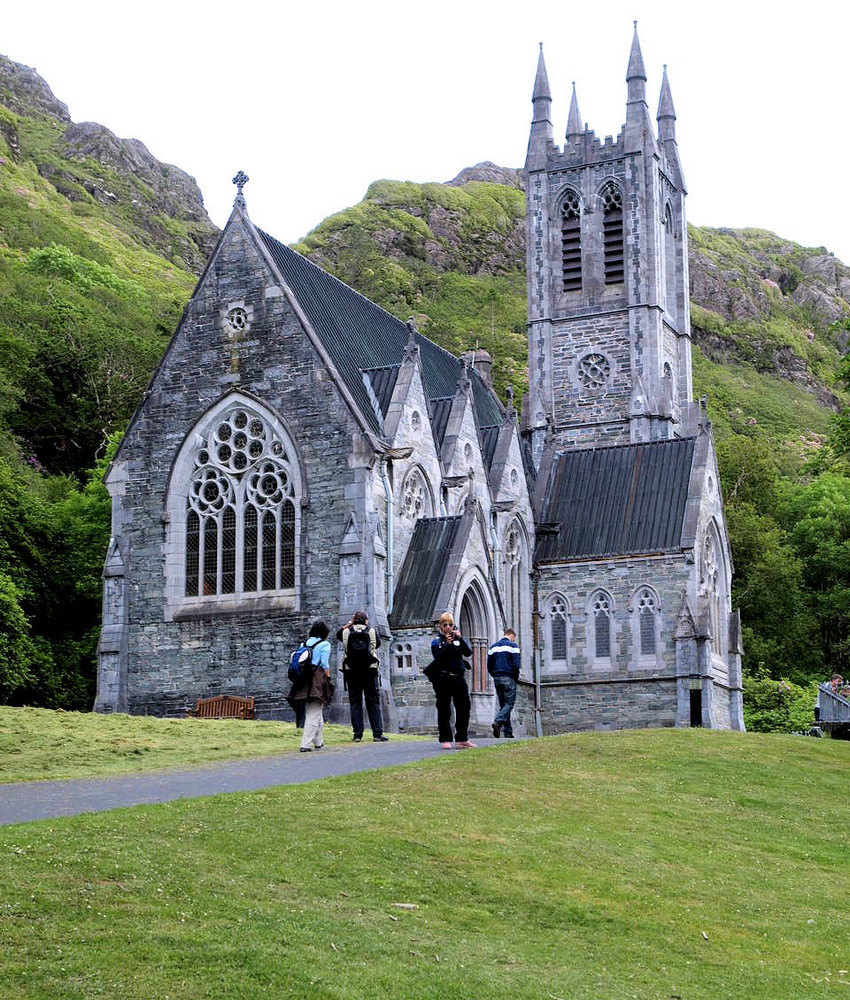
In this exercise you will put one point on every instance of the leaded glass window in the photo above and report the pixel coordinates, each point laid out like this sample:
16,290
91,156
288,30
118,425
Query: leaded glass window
240,510
557,628
602,626
647,611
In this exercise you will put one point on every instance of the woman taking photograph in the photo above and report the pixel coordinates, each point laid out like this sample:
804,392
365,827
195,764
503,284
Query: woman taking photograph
448,675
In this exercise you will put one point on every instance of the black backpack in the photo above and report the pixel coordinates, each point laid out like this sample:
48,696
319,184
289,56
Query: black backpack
358,649
300,664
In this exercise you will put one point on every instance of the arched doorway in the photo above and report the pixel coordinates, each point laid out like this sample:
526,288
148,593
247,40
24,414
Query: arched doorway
474,622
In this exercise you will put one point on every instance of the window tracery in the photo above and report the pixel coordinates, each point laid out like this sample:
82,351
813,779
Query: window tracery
557,617
647,611
240,510
416,497
594,370
600,609
571,242
612,233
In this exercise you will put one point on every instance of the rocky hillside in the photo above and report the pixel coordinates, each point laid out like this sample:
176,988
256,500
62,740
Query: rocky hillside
158,204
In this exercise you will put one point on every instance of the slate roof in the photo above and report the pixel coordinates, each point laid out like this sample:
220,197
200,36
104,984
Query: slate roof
424,570
359,336
489,440
624,500
382,381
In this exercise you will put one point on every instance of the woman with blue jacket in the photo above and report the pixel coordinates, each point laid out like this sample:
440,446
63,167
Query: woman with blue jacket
316,690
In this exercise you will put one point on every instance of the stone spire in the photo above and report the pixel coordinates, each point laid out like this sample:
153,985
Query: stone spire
541,137
541,90
638,122
574,125
667,131
666,112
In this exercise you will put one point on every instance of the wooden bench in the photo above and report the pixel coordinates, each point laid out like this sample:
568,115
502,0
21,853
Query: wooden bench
224,706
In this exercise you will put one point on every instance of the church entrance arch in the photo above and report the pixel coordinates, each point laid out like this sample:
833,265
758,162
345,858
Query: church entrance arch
474,622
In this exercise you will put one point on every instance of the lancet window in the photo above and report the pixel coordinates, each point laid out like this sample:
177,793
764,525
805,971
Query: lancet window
612,225
571,242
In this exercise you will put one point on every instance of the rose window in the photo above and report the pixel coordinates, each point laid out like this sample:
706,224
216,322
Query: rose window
594,370
237,320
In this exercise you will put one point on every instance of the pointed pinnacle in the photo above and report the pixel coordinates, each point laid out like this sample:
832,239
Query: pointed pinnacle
574,125
541,80
636,68
665,102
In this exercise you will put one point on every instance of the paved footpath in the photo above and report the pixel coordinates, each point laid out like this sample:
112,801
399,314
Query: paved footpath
33,800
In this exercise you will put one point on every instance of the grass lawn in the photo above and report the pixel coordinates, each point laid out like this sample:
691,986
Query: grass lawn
651,864
38,743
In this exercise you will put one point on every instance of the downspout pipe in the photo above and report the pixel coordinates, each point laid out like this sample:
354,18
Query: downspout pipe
390,529
535,622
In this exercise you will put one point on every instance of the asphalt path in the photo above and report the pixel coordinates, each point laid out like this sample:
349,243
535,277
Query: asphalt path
23,802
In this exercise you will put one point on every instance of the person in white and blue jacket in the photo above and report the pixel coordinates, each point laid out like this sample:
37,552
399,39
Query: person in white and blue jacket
503,664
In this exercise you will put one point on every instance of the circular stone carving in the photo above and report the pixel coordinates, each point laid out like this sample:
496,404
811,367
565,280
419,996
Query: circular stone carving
237,320
594,370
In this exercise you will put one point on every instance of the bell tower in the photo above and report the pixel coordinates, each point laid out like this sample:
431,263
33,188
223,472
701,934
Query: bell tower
607,264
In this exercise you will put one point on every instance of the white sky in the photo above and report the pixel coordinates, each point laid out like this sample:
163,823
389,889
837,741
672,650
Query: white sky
315,101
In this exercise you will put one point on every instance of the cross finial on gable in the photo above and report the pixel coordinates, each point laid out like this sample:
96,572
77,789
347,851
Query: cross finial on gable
240,180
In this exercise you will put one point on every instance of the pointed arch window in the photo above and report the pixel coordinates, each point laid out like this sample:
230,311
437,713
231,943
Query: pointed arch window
234,503
600,615
515,572
669,263
557,614
612,231
713,586
571,242
647,609
415,495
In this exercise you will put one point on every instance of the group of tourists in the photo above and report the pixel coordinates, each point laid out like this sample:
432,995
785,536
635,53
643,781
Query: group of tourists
313,690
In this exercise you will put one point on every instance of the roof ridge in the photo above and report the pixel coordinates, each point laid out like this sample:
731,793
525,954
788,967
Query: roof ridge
614,447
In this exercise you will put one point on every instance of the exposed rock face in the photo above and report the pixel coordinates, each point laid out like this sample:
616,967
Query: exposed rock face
23,91
744,284
490,173
135,185
176,192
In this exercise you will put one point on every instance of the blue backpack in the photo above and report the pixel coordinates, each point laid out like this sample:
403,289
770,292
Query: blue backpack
300,665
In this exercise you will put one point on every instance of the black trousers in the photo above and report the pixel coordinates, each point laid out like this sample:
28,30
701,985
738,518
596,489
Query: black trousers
452,688
363,683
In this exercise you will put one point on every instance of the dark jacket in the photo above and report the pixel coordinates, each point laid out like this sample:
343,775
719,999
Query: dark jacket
503,659
317,685
374,642
448,656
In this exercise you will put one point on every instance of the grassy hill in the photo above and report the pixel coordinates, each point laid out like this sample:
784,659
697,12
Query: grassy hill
644,865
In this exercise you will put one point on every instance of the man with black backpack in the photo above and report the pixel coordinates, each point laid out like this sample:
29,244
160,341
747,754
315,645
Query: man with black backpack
360,672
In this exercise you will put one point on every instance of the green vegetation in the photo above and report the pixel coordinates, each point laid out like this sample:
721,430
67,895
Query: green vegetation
97,261
507,872
38,743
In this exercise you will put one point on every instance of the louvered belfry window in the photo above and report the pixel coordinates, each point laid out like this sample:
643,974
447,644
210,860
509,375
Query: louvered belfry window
612,207
571,243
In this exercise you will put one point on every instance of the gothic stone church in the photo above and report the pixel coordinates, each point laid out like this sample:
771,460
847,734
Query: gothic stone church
300,453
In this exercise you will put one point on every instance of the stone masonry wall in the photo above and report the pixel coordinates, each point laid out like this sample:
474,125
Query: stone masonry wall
170,664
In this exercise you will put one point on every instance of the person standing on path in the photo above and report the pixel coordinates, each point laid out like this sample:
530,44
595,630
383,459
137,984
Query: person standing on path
360,670
315,691
503,663
448,675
